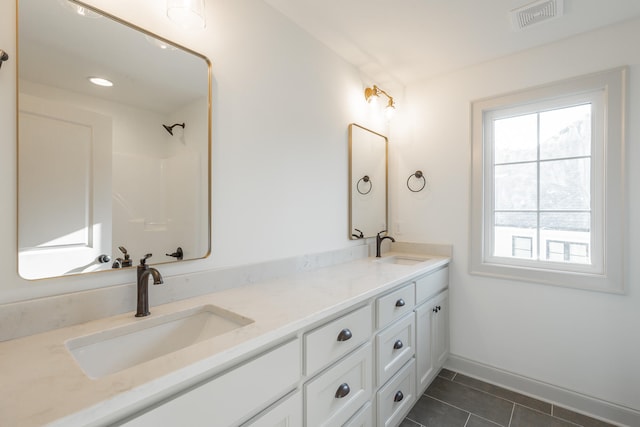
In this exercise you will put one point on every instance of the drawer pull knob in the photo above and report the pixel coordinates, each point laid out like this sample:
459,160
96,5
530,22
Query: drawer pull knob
400,303
397,345
398,397
345,335
342,391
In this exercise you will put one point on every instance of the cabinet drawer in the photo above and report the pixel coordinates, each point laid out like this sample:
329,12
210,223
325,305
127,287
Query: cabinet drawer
394,347
363,418
431,284
333,340
394,305
397,397
231,397
335,395
287,413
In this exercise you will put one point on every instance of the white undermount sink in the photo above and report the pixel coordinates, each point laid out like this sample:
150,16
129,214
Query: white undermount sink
402,259
113,350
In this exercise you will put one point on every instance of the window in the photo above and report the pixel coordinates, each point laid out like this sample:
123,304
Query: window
547,183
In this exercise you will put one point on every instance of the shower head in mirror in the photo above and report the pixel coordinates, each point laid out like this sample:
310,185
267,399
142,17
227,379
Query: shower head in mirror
170,128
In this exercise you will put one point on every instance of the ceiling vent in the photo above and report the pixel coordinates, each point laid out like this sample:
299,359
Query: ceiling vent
535,13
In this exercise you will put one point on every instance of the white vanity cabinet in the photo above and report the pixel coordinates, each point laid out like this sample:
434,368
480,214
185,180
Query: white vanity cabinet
432,326
363,368
233,396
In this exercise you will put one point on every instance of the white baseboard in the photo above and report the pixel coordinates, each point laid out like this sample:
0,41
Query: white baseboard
577,402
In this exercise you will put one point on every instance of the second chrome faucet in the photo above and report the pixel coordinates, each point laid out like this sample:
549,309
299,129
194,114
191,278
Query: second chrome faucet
144,271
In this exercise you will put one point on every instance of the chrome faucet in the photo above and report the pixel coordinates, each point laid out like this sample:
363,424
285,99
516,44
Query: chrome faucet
143,285
379,241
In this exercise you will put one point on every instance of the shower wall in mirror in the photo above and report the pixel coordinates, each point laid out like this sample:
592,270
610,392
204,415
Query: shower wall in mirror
102,170
367,182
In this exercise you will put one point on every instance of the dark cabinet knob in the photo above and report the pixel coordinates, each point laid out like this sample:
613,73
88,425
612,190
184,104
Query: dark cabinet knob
438,307
397,345
400,303
345,335
398,397
435,309
342,391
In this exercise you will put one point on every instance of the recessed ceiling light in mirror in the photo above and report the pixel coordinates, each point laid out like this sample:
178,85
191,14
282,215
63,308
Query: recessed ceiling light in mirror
159,43
99,81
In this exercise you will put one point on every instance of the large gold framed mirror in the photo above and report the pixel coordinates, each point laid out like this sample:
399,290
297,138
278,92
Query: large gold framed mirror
367,182
107,174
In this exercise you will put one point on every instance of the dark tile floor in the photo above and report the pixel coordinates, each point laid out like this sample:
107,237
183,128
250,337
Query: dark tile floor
455,400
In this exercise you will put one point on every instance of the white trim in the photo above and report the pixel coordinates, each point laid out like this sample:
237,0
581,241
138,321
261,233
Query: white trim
608,277
577,402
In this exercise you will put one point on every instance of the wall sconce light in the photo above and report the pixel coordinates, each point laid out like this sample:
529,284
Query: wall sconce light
188,14
372,95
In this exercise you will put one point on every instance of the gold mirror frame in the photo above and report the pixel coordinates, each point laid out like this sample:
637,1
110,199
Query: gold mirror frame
368,182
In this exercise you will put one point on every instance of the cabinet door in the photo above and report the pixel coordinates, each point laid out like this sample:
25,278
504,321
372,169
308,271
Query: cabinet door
432,338
424,358
440,325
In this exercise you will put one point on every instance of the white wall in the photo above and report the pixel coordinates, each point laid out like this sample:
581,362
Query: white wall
282,103
586,342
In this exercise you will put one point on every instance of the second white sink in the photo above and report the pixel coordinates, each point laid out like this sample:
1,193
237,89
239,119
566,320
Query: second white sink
402,259
113,350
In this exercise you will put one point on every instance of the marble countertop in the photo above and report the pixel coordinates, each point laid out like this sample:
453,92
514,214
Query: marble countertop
41,383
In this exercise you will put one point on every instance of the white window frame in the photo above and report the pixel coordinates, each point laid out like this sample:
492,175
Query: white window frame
606,93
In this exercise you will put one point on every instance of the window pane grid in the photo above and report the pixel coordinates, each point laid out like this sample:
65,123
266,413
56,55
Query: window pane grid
561,170
524,162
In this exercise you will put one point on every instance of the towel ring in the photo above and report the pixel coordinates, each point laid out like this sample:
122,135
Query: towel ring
419,175
364,179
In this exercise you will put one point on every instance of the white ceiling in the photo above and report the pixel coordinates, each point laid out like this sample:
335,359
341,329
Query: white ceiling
397,42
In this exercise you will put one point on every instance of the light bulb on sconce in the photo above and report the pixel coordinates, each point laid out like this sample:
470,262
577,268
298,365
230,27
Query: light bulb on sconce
188,14
390,109
372,95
